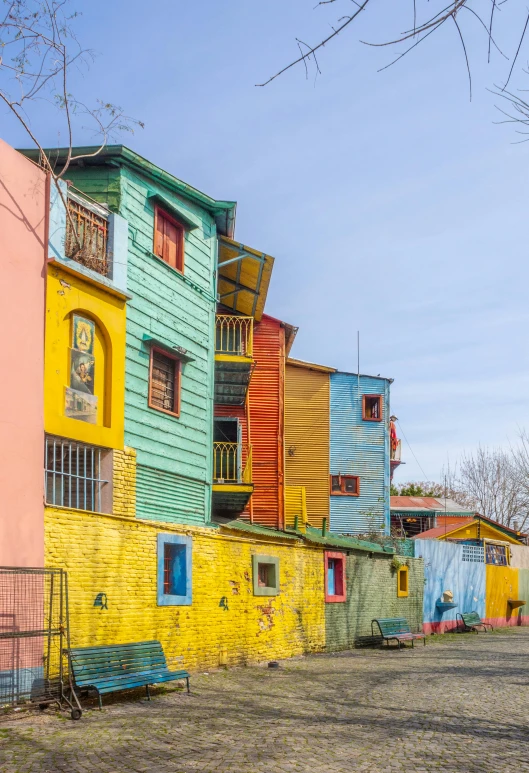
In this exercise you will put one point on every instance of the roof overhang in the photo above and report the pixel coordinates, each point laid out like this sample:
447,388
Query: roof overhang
116,155
244,278
309,365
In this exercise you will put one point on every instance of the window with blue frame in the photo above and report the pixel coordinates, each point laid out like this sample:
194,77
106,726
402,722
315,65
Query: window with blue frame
174,569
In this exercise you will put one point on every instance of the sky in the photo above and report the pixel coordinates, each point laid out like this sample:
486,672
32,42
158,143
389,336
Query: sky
392,203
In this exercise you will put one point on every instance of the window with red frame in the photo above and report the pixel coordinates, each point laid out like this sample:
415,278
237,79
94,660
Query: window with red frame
335,589
372,408
345,485
169,239
164,382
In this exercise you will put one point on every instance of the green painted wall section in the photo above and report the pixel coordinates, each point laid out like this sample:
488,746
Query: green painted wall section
174,455
102,183
371,593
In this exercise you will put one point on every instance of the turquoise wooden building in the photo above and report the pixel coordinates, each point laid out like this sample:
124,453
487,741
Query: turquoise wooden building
172,280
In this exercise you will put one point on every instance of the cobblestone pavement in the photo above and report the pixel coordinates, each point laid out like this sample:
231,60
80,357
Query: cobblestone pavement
460,704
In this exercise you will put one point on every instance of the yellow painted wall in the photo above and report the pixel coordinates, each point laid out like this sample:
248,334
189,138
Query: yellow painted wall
117,556
295,507
66,294
307,438
501,585
485,531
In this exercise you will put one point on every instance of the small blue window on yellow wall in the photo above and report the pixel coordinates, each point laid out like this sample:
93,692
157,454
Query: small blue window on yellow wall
174,570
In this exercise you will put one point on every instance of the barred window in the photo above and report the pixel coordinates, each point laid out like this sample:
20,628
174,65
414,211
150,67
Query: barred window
164,382
474,553
73,474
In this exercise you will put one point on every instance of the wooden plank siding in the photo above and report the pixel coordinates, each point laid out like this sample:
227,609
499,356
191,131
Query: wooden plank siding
173,453
102,183
176,452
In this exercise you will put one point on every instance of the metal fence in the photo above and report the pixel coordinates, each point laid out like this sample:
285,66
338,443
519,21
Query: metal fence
34,635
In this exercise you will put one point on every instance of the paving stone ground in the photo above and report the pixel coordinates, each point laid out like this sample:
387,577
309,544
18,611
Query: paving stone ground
460,704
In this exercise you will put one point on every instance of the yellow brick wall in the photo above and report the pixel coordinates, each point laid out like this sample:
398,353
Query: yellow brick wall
226,623
124,482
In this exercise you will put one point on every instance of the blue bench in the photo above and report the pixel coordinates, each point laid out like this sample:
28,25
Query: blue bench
114,667
396,628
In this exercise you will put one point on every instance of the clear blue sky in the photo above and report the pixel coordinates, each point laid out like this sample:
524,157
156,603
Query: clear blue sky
391,203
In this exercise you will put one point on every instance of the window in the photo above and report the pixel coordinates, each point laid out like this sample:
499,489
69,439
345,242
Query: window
164,382
174,570
402,582
334,576
169,239
496,554
474,553
77,475
372,408
265,575
345,485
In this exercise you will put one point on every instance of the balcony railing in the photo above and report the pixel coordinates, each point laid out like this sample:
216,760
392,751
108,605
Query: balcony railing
228,464
87,234
395,453
234,335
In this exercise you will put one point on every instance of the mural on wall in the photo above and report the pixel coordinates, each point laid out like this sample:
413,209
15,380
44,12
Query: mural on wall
80,402
82,368
80,405
83,334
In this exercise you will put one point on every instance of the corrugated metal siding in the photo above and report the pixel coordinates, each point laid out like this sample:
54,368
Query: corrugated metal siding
163,496
307,438
295,505
359,448
266,422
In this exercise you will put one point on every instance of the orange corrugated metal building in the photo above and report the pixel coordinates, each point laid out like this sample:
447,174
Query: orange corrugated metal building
261,422
266,400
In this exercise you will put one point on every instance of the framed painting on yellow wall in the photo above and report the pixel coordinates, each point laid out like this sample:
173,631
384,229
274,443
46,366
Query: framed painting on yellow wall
82,371
83,334
80,405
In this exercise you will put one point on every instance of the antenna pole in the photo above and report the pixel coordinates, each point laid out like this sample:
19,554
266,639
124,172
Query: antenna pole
358,358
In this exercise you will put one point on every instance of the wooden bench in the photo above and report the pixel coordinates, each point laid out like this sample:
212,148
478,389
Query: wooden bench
396,628
472,621
121,667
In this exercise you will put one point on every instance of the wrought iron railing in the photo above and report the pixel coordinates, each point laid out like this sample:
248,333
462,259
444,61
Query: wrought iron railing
230,464
234,335
87,234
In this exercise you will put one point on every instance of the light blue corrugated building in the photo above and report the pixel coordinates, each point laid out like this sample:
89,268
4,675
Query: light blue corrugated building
359,453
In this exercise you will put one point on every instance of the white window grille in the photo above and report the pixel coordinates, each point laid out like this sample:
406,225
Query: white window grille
73,474
475,553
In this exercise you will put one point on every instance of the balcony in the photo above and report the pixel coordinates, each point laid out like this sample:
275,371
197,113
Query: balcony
232,478
233,358
87,233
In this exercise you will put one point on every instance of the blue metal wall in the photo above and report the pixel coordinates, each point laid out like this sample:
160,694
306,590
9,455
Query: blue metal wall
359,448
444,569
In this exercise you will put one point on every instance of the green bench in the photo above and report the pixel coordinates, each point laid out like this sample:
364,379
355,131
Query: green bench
121,667
472,621
396,628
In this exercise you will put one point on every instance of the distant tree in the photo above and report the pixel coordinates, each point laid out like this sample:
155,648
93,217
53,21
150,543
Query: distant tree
451,490
498,482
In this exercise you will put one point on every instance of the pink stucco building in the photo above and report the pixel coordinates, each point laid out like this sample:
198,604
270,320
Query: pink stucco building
23,237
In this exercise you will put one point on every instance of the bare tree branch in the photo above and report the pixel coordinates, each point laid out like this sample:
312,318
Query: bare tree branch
38,48
313,49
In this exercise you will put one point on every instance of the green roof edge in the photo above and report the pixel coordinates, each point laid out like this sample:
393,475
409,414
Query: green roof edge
133,159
